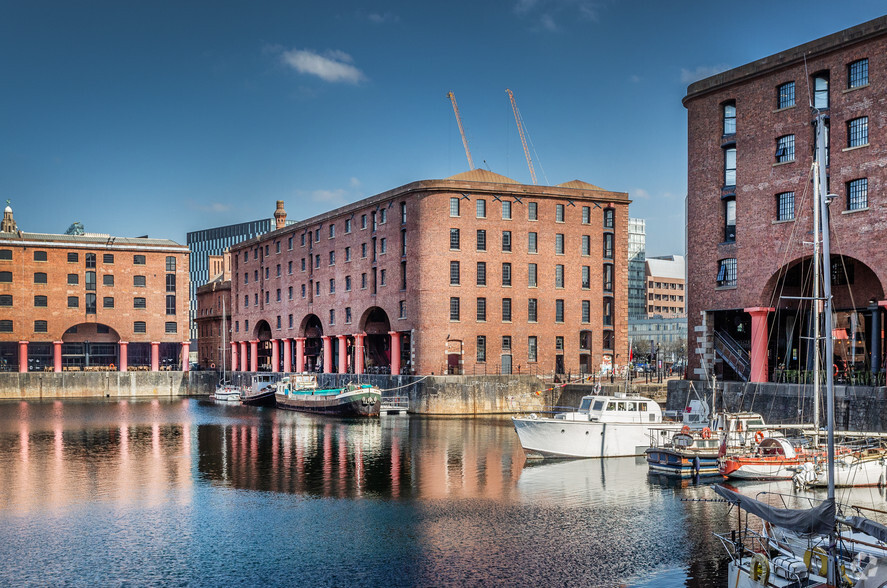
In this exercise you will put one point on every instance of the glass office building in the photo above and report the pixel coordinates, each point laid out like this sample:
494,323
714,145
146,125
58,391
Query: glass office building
637,239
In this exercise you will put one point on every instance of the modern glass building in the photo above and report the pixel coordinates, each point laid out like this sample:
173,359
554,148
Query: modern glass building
637,244
215,241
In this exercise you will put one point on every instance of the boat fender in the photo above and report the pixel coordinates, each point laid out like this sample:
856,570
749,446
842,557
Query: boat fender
685,429
706,433
789,567
819,553
759,569
759,436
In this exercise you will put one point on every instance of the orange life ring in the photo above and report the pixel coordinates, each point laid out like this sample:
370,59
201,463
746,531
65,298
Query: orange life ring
212,366
685,429
706,433
759,436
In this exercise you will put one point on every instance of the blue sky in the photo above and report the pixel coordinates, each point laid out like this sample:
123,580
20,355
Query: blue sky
137,117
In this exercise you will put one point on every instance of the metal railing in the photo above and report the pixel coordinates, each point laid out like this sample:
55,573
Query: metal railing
733,353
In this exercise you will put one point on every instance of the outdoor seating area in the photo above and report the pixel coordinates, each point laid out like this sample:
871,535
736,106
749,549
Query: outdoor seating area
850,377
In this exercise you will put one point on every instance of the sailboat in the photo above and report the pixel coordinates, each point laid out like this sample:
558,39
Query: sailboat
225,390
826,560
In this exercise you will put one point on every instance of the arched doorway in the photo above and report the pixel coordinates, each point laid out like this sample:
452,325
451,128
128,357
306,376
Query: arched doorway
262,332
93,345
312,330
377,345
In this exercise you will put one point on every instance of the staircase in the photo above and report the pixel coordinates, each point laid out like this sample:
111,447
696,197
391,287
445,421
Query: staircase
729,350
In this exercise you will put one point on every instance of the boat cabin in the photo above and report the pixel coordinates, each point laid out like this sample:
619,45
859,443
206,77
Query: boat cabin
615,409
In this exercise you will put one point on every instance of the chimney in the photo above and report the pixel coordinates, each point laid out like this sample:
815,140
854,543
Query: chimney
280,215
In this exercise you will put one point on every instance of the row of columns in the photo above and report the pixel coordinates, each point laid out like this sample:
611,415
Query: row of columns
239,354
122,356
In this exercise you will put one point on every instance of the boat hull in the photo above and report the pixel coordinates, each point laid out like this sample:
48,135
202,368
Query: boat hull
361,402
264,398
566,439
678,463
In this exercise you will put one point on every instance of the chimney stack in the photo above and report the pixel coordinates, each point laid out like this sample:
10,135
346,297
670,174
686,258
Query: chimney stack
280,215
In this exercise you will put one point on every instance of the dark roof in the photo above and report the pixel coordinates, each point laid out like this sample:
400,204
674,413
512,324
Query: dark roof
89,239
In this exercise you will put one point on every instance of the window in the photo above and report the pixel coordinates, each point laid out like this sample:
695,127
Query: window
171,327
108,280
506,241
586,215
332,231
559,310
481,348
506,310
39,301
531,348
303,264
858,194
785,95
139,302
609,341
506,274
347,225
559,276
347,316
858,73
586,245
302,240
332,317
290,293
559,343
6,278
290,244
348,283
730,166
532,242
403,243
139,327
5,326
316,261
138,260
170,282
559,244
382,275
532,275
6,254
608,312
481,208
586,277
820,91
73,302
730,219
608,245
481,273
171,261
290,267
506,210
858,132
268,269
90,281
506,343
363,281
785,206
730,118
363,221
608,277
40,326
90,260
559,213
138,281
481,240
454,309
532,307
278,294
785,148
39,278
727,272
383,245
403,213
403,309
39,256
532,211
481,309
454,206
73,279
73,257
303,290
6,300
107,302
90,303
609,218
586,311
454,273
332,259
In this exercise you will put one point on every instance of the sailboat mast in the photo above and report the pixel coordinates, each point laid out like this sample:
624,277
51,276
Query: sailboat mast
827,312
817,307
224,328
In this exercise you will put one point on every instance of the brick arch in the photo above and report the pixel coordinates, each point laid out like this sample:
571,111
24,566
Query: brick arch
89,332
374,320
795,279
262,330
311,326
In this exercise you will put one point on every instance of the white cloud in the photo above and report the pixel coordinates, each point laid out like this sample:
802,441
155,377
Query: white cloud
211,207
548,23
332,66
329,196
702,72
640,193
376,18
587,9
634,78
354,182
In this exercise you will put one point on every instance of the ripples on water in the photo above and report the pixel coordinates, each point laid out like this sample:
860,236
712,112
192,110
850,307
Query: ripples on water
194,493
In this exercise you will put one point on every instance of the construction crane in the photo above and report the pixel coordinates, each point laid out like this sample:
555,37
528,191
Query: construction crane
452,98
520,130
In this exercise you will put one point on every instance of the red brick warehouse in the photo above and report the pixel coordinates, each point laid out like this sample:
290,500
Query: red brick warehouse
751,141
472,274
91,302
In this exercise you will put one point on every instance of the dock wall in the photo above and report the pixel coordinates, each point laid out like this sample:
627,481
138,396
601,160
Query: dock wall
857,408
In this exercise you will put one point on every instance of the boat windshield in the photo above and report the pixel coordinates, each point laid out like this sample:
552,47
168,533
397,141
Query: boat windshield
598,406
586,402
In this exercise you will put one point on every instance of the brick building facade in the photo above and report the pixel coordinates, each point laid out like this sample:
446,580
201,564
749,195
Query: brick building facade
750,148
96,302
471,274
665,286
214,314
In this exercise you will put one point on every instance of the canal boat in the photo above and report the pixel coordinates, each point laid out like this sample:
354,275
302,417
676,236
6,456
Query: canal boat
602,426
300,393
261,391
225,390
773,459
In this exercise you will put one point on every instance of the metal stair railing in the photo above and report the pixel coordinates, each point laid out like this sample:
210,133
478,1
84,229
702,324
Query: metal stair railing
733,353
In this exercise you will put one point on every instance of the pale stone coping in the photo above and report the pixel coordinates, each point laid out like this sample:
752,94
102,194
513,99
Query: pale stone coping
845,149
784,108
853,89
855,211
